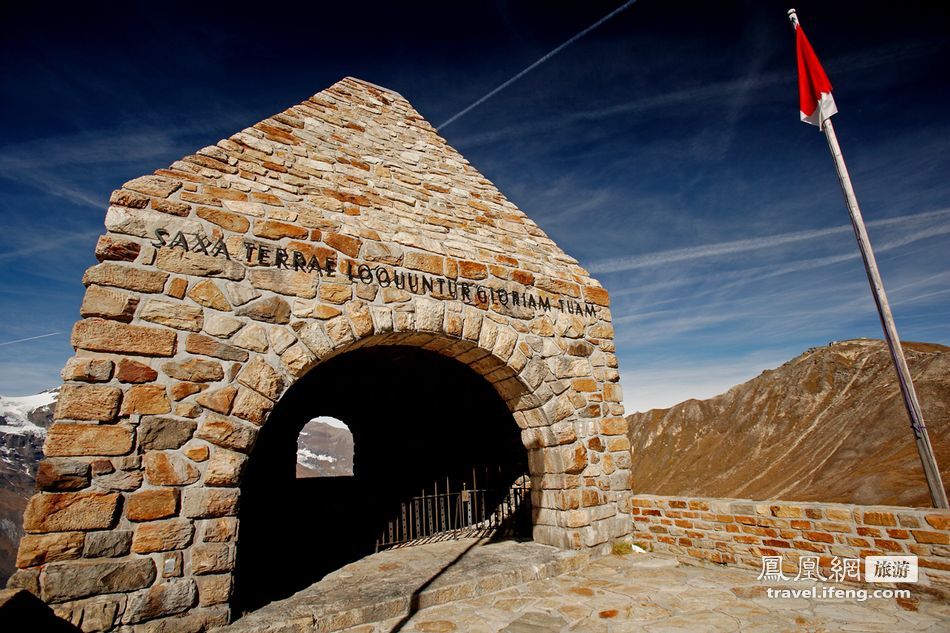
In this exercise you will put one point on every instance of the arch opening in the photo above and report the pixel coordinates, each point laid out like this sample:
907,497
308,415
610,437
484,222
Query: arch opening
325,448
417,419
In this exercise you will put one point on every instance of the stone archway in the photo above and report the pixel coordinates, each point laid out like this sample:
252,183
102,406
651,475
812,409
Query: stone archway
420,420
342,222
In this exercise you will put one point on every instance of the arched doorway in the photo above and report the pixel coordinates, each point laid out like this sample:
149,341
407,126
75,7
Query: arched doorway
419,419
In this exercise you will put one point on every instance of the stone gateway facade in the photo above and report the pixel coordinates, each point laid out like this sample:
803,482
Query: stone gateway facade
343,222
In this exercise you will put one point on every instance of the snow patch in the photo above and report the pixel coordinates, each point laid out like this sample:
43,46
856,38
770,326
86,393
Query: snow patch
15,412
305,456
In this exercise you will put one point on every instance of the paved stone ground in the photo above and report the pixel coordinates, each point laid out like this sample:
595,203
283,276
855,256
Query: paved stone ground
381,587
655,594
473,586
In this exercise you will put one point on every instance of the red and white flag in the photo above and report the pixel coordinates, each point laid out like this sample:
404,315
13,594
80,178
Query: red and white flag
814,90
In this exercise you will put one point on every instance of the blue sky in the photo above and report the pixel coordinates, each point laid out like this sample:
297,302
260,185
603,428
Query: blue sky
663,150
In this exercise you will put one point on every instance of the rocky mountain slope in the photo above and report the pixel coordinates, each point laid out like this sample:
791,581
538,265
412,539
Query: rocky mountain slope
23,423
324,451
828,425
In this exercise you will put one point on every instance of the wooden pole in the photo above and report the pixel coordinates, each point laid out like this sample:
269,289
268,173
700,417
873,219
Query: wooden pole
927,459
937,493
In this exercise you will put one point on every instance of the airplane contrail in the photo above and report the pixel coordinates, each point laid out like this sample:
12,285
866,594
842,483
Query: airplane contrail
29,338
534,65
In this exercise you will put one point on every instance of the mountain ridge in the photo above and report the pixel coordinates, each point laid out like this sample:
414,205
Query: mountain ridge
828,425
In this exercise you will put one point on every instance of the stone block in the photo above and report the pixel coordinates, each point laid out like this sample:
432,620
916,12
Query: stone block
346,244
124,480
177,260
268,310
596,296
879,518
108,303
194,370
252,338
211,558
240,294
152,504
251,406
110,247
208,294
224,219
166,468
196,452
132,371
87,369
425,262
180,316
66,511
123,276
98,403
221,530
66,440
143,223
472,270
79,579
938,521
215,589
158,186
281,338
160,600
39,549
298,359
159,433
60,475
335,293
145,399
162,536
223,326
314,336
227,432
429,315
177,288
100,335
111,544
276,230
219,400
209,503
931,537
171,207
224,468
207,346
262,378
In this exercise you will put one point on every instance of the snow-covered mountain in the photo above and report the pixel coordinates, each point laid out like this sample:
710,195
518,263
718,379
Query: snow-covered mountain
23,424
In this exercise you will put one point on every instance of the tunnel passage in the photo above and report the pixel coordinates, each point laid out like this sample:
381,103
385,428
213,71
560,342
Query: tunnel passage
417,417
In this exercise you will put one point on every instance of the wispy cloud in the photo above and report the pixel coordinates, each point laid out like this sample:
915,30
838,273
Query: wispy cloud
732,247
698,96
34,246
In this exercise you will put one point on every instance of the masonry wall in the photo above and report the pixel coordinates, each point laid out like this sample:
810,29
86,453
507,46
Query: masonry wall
740,532
342,222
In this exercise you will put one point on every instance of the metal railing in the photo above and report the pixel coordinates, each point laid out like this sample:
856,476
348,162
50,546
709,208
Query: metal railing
463,513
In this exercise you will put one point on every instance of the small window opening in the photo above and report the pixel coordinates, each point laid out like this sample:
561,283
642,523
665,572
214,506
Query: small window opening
325,449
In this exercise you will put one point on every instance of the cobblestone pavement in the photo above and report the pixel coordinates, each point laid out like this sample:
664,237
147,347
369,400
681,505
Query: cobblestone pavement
656,594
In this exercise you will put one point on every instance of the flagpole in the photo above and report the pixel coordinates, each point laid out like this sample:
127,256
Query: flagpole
924,448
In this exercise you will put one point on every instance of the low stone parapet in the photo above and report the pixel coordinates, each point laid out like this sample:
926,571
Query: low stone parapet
742,532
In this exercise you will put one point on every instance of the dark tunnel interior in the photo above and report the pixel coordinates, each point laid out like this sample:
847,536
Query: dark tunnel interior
417,418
